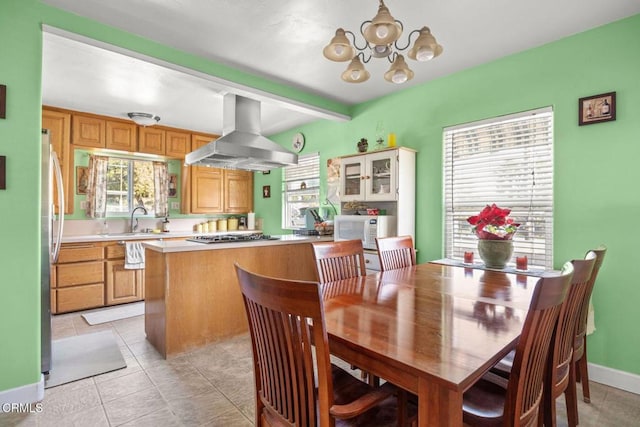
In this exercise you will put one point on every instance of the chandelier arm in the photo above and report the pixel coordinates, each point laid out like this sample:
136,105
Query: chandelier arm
364,60
353,41
408,40
392,57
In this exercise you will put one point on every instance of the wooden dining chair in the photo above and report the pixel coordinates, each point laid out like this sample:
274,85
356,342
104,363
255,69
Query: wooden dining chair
294,387
580,344
339,260
395,252
560,375
496,401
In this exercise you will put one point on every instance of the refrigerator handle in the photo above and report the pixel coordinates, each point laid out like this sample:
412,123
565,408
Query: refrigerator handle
58,174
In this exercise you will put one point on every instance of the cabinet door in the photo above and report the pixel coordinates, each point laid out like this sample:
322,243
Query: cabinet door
381,172
123,285
59,125
178,144
352,178
88,131
122,136
151,140
198,140
238,191
206,190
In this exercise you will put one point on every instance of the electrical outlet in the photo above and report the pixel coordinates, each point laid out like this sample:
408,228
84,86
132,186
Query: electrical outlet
83,204
175,205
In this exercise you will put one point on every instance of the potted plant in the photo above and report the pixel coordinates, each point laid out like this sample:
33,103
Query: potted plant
495,230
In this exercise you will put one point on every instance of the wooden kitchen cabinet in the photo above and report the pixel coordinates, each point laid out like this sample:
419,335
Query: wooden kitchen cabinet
238,191
177,144
200,139
121,135
88,131
121,285
207,190
216,190
78,280
151,140
59,125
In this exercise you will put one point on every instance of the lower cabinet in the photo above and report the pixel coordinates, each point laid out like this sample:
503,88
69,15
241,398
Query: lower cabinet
123,285
90,275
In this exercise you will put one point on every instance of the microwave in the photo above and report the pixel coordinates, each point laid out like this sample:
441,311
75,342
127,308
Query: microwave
363,227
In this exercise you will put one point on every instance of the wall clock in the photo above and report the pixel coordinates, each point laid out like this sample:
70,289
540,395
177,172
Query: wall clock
297,142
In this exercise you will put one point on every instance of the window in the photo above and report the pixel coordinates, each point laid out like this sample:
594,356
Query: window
300,190
507,161
130,183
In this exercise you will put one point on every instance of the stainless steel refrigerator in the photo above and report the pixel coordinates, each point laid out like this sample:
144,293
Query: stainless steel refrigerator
51,235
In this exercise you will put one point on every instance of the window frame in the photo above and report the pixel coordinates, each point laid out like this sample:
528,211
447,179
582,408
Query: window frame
307,174
496,154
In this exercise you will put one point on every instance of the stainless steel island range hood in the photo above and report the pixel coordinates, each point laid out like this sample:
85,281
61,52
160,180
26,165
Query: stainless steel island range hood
241,146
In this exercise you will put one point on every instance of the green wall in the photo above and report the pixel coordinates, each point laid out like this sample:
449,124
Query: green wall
596,167
594,164
20,70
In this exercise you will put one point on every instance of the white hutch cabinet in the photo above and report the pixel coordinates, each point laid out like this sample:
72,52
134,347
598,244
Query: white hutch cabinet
384,179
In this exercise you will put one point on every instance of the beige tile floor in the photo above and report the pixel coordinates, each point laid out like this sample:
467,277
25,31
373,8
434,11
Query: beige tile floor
212,386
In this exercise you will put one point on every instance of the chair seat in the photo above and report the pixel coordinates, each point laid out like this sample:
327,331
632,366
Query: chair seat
483,404
347,388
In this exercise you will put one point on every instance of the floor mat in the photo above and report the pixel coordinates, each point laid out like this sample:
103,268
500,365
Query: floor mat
115,313
83,356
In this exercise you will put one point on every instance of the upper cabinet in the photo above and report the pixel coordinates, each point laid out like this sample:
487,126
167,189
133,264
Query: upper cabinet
151,140
369,177
216,190
59,125
177,143
121,136
98,132
238,191
88,131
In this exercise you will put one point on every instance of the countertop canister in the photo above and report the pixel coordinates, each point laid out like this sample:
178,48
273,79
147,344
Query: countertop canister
222,224
251,221
232,223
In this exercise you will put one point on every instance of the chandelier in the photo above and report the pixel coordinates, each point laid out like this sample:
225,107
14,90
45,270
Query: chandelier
381,35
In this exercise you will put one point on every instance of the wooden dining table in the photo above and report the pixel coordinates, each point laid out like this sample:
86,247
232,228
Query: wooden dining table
430,329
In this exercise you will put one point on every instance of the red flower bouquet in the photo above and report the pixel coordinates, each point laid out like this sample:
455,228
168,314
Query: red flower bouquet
493,223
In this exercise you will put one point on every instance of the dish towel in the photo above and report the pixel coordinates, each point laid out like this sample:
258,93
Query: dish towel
133,255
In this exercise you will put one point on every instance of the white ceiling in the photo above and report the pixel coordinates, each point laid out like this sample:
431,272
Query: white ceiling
282,40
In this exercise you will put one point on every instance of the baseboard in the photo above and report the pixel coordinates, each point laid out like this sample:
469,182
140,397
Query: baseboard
29,393
614,378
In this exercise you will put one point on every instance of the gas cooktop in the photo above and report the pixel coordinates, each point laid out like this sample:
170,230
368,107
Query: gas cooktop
232,238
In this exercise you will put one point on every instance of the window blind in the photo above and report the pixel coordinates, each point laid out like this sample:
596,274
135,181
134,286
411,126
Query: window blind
508,161
300,190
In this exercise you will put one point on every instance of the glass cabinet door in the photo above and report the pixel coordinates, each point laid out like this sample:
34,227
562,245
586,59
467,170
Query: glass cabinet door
380,182
352,172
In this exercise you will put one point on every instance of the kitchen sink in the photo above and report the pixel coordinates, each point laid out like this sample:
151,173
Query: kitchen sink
137,233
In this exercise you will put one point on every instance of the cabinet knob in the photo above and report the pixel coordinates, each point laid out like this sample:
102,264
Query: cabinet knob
366,261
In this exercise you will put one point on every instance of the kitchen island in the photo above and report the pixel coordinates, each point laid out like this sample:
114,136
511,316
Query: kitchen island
192,296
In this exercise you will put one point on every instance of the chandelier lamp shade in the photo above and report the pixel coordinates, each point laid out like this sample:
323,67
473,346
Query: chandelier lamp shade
381,35
144,119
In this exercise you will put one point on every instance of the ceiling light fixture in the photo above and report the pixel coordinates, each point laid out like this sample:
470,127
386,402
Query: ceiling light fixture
144,119
381,35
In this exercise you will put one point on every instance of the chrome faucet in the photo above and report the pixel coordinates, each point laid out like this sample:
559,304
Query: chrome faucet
134,226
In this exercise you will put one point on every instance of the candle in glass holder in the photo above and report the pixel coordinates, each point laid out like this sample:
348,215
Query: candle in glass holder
468,257
521,263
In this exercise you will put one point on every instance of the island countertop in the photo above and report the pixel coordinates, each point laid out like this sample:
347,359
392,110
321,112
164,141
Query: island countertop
168,246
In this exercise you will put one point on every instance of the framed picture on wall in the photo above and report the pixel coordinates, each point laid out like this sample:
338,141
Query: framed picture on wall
82,179
597,108
266,191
